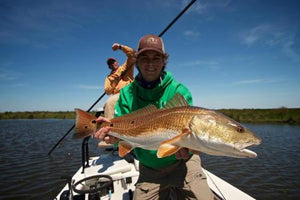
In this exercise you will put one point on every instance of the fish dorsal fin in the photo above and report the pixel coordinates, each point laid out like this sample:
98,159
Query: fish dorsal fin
143,111
177,101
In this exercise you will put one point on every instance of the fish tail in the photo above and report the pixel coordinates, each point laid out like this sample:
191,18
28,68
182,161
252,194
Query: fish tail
85,124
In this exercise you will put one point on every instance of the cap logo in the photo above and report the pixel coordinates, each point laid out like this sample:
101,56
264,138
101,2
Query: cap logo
152,41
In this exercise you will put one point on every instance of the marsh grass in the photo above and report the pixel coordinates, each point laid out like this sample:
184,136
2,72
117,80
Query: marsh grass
39,115
280,115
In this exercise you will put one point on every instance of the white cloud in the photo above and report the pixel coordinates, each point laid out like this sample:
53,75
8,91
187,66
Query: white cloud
272,36
199,7
8,75
17,85
256,81
206,6
256,34
27,24
200,62
89,87
248,81
211,65
189,33
289,51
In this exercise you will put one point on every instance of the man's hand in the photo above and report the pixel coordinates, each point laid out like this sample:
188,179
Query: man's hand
183,153
102,133
115,46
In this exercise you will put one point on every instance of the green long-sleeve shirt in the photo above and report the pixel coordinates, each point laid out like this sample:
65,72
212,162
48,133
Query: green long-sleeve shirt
133,97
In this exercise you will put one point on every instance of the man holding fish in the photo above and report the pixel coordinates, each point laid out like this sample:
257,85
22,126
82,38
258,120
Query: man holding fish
155,119
179,175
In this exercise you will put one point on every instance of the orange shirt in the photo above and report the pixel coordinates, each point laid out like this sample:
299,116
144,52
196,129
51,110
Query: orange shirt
123,75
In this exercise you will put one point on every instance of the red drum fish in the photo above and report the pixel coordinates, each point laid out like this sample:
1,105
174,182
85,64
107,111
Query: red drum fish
175,126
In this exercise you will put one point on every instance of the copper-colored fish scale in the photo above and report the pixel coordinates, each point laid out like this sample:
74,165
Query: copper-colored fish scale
171,119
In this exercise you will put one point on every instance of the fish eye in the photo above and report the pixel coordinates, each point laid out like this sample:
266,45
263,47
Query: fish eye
240,129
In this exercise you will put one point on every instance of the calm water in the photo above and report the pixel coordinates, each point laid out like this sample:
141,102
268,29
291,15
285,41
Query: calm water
27,172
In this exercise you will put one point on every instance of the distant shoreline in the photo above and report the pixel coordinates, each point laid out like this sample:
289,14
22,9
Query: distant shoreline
40,115
280,115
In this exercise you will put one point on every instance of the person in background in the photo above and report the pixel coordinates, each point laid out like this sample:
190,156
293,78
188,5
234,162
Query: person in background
119,77
178,176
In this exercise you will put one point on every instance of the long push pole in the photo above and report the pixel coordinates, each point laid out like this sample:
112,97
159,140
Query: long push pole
160,35
176,18
61,139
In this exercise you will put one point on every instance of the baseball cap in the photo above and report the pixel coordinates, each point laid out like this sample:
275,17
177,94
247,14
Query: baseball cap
110,61
151,42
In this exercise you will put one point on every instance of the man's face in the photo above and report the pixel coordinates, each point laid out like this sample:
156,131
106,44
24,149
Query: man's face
114,66
150,64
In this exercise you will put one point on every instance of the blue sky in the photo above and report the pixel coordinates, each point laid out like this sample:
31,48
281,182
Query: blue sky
229,53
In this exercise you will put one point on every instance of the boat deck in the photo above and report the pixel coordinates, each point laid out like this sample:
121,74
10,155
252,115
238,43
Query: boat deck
125,175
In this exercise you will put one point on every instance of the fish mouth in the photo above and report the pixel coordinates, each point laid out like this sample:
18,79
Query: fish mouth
247,152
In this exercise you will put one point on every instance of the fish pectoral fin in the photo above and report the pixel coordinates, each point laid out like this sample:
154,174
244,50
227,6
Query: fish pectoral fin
169,147
184,132
165,150
124,148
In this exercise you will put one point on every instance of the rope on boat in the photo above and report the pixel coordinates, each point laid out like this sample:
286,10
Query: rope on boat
216,186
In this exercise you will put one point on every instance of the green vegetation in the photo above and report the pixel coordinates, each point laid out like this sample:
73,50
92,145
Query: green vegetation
39,115
280,115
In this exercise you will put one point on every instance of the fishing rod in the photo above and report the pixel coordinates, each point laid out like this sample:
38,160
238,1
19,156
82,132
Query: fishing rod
160,35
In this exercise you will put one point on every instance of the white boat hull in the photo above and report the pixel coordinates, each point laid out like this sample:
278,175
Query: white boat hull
125,175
